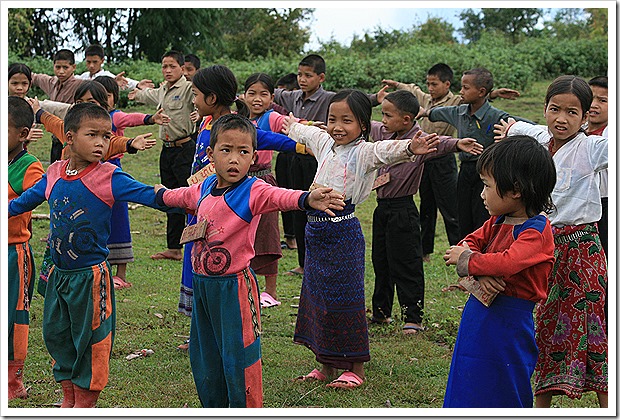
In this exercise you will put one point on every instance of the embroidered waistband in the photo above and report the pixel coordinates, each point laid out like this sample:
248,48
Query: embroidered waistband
315,219
560,239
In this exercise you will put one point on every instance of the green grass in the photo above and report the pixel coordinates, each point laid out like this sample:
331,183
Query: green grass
405,371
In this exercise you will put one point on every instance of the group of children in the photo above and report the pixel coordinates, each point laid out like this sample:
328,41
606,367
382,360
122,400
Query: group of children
518,252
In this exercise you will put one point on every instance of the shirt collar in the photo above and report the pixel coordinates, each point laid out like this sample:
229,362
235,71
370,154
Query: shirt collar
479,114
314,97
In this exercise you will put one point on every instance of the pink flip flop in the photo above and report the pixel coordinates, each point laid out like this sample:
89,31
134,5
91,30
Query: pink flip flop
119,283
315,375
268,301
347,380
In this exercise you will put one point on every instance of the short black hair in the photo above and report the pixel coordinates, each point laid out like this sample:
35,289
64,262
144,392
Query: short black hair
94,49
20,68
84,110
315,61
178,57
232,122
600,81
289,81
360,107
220,81
191,58
20,112
521,164
96,89
442,71
110,86
482,78
404,101
66,55
574,85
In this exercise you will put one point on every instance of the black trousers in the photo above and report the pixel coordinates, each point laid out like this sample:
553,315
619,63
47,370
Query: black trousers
56,150
438,191
282,169
397,259
471,210
175,165
302,171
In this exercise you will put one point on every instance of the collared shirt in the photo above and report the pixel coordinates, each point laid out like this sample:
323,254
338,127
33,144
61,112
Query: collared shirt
314,108
57,91
478,126
578,164
132,84
405,177
177,102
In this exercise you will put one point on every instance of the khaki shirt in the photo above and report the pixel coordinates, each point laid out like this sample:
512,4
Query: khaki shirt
177,102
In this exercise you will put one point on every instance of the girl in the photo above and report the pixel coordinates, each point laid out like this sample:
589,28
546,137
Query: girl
20,80
515,247
332,317
215,90
571,323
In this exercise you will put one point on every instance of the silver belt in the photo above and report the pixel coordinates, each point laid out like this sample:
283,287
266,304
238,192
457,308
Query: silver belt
331,219
564,239
262,172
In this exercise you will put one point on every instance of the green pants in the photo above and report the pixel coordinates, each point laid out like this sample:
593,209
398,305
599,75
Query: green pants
21,281
79,319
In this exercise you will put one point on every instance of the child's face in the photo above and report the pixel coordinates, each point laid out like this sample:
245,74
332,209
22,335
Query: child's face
232,156
258,98
203,104
469,91
17,135
598,109
110,100
436,87
393,119
93,63
342,124
189,70
63,70
171,70
91,141
18,85
564,116
510,204
308,80
87,97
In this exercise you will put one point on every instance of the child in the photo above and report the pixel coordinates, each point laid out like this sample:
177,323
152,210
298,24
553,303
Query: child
332,317
571,323
20,79
512,253
396,242
25,170
225,349
175,162
191,66
94,57
79,312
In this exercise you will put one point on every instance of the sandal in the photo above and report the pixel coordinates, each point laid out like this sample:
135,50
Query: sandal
165,255
412,329
347,380
119,283
268,301
315,375
184,346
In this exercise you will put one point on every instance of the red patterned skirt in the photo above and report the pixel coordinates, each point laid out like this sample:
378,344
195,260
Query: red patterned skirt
571,323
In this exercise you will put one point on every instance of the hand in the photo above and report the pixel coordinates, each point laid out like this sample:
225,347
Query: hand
422,145
451,257
34,104
34,134
158,187
491,285
121,80
145,83
309,151
194,116
470,145
325,199
390,83
422,113
287,122
501,129
382,93
132,95
319,124
143,142
160,118
505,93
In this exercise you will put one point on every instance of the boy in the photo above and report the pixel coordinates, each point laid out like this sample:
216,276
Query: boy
79,312
474,118
177,154
190,66
224,351
396,242
438,185
95,56
59,88
25,170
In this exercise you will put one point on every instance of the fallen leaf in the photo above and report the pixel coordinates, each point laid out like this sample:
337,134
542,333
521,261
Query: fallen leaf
160,316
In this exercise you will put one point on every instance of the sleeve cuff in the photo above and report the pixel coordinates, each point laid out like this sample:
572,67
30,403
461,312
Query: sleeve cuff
301,149
130,149
462,265
159,197
38,115
146,119
303,201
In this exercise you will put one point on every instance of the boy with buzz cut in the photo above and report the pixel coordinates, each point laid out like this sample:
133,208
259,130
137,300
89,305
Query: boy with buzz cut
396,241
438,185
176,98
225,349
79,313
25,170
191,66
95,56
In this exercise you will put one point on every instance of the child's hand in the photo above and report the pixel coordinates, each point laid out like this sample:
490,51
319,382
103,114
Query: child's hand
158,187
319,124
390,83
491,285
121,80
287,122
325,199
422,145
421,113
194,116
506,93
451,257
34,134
143,142
501,129
132,95
382,93
34,104
145,83
160,118
470,145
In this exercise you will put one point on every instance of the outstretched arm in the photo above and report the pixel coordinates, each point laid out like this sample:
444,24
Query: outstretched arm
325,199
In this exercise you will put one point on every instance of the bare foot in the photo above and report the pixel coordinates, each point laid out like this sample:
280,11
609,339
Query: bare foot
426,257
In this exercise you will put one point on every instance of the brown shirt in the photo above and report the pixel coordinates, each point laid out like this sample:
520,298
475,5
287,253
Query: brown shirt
314,108
60,92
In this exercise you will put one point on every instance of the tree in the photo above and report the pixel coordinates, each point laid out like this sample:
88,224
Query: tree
435,31
35,32
516,23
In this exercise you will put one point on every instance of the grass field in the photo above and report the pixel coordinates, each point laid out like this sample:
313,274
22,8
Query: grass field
404,372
